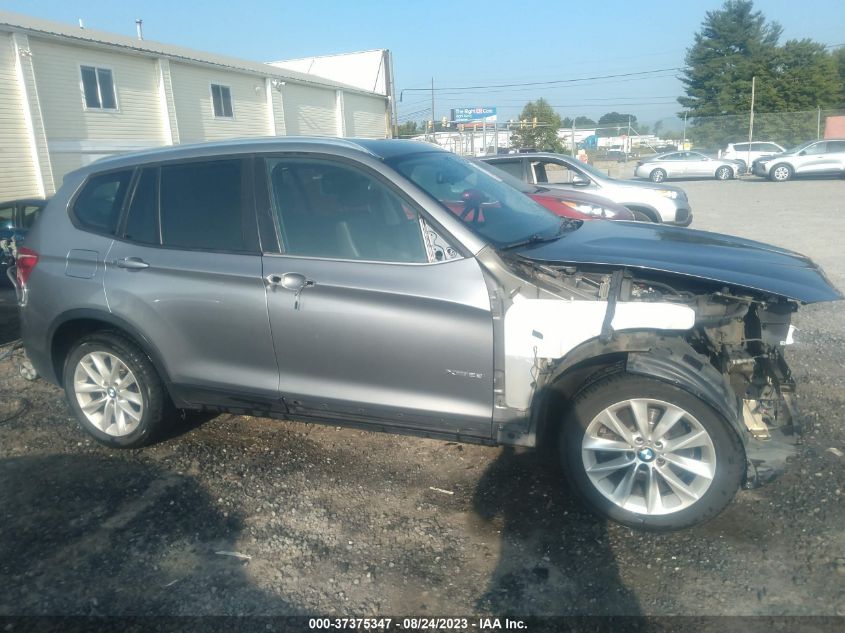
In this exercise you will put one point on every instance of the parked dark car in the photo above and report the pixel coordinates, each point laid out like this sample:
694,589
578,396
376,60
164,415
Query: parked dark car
16,217
328,280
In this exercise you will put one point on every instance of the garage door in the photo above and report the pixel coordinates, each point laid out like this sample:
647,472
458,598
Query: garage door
365,116
309,111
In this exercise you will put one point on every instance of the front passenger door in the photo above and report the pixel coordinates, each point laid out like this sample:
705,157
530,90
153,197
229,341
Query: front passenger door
367,324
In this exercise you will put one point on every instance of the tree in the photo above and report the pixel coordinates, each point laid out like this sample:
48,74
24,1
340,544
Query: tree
615,123
409,128
735,45
544,135
584,121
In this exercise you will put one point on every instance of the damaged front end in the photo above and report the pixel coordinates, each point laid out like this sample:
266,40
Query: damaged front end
563,325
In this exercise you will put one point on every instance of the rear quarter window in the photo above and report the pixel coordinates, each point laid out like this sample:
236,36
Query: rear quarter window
97,207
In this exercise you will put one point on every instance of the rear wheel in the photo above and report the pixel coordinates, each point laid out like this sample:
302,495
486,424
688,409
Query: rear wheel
781,173
657,175
114,391
650,455
724,173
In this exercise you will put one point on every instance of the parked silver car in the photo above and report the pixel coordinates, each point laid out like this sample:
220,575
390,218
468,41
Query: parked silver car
687,165
650,203
814,158
395,286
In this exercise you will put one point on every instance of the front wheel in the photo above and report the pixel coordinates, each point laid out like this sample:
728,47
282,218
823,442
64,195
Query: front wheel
724,173
650,455
658,175
781,173
114,391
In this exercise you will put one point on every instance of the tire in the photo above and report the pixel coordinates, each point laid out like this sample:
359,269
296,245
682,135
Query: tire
107,367
640,216
781,172
657,175
742,166
724,173
683,498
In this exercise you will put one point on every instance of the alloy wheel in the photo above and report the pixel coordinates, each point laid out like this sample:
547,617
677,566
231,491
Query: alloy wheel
648,456
108,393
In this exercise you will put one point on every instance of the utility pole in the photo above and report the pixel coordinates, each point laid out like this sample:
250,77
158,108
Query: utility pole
685,132
751,122
819,124
432,109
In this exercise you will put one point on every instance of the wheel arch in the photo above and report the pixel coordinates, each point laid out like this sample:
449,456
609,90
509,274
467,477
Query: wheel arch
669,359
651,212
73,325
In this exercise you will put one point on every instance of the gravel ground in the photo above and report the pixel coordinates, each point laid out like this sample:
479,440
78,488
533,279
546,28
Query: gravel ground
348,522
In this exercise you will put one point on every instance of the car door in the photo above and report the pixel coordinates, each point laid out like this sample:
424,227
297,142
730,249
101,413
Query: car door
812,159
185,271
836,155
560,173
699,165
367,325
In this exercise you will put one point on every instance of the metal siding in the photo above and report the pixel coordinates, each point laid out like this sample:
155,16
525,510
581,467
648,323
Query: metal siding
17,172
76,136
309,111
194,110
366,117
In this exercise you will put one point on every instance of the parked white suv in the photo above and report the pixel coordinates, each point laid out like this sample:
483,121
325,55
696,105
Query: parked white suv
749,152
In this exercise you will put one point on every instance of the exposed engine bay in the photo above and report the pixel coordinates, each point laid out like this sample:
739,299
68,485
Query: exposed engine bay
739,333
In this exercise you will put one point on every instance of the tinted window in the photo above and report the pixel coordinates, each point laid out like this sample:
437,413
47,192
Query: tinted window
513,167
200,205
741,147
142,224
28,215
221,100
835,146
330,210
99,203
677,156
7,217
553,173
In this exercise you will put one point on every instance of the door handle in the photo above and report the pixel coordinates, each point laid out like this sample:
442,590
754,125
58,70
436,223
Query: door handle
289,281
132,263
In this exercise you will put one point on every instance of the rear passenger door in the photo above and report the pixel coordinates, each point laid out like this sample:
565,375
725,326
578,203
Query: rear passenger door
372,321
185,269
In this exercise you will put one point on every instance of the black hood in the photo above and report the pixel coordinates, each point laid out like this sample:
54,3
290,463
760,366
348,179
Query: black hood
711,256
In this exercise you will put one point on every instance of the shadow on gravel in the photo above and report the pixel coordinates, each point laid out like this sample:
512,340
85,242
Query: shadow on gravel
96,535
555,557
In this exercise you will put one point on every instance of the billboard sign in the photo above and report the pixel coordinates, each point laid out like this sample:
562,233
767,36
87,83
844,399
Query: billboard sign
479,114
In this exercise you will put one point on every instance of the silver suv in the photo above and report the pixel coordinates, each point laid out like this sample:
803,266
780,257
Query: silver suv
813,158
398,287
649,202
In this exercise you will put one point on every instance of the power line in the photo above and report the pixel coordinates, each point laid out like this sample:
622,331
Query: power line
539,83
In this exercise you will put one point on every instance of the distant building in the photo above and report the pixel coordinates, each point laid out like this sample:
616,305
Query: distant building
70,95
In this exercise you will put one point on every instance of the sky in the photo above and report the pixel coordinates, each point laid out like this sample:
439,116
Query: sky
462,44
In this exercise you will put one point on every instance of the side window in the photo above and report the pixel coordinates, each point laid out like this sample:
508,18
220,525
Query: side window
741,147
771,147
558,174
221,101
98,88
142,224
836,147
7,217
816,148
28,215
201,205
513,167
331,210
98,206
675,156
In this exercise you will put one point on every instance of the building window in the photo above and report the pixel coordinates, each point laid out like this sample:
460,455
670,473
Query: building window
221,99
98,87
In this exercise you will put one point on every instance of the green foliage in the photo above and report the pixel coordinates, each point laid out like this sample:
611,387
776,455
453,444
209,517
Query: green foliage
409,128
584,121
615,123
734,45
544,135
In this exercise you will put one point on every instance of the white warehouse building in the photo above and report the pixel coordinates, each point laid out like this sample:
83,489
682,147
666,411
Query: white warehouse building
70,95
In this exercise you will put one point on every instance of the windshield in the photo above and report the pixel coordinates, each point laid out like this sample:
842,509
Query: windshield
594,171
798,148
489,207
